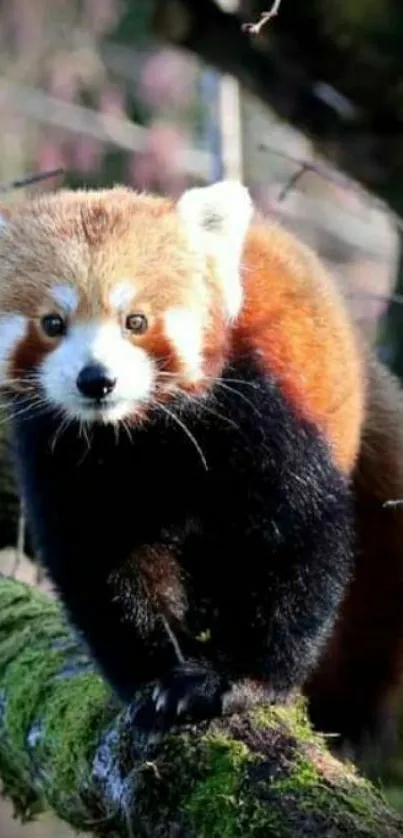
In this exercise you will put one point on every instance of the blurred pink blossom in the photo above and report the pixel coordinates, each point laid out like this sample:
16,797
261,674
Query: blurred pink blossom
26,21
164,80
101,15
159,164
141,172
63,81
111,101
165,143
86,154
50,155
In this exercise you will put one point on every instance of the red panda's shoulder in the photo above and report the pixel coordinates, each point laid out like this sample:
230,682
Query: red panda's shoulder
296,320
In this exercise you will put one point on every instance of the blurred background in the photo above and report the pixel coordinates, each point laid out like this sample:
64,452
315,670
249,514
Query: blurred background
306,109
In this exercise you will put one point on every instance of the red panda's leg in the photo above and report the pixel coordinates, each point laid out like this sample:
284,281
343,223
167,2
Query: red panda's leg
129,650
272,630
282,566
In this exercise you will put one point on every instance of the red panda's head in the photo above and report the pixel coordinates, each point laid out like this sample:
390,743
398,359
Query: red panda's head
112,301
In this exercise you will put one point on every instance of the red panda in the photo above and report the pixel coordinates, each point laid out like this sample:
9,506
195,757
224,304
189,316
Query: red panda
188,400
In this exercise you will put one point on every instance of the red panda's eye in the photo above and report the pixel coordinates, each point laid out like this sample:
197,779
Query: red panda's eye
136,323
53,325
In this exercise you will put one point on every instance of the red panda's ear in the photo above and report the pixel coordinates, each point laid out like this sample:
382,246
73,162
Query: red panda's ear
217,218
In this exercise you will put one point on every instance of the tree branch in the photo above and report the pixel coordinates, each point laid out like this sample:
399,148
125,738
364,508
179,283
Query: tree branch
256,28
66,745
338,85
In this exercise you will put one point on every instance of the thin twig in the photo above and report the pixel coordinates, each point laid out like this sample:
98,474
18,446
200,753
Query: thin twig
292,182
175,644
255,28
307,166
20,546
34,178
335,177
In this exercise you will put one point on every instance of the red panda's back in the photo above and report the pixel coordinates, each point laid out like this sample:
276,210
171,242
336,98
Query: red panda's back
295,317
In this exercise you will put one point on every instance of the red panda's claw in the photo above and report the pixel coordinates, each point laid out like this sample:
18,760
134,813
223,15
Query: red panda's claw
189,694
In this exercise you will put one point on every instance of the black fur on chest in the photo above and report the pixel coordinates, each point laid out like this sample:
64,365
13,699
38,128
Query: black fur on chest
117,489
198,517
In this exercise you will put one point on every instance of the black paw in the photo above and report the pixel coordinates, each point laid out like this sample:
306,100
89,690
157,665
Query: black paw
187,695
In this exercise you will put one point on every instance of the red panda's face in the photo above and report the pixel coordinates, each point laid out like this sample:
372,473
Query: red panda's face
112,303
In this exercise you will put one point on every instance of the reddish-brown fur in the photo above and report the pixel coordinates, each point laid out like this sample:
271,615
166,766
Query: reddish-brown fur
294,318
28,354
159,571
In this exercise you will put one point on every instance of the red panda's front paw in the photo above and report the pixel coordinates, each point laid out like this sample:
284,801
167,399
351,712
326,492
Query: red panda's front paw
189,694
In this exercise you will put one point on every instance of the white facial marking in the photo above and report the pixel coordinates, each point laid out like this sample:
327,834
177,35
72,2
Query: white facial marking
3,221
183,329
130,366
66,297
217,218
121,296
13,328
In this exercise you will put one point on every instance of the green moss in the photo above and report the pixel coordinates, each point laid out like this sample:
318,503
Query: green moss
29,625
394,797
26,683
304,778
292,717
351,805
216,804
237,796
64,745
280,791
48,718
70,726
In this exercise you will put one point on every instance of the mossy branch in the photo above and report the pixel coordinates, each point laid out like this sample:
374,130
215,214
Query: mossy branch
66,745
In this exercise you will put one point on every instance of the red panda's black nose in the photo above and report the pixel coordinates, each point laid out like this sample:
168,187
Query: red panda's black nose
95,382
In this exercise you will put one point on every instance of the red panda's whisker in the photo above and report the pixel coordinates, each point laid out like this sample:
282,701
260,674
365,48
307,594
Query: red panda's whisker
241,396
33,407
232,380
31,400
186,431
116,433
64,423
237,381
83,431
220,416
203,407
126,427
218,379
9,382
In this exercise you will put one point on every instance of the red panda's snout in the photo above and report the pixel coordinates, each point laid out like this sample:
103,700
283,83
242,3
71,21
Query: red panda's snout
96,374
104,370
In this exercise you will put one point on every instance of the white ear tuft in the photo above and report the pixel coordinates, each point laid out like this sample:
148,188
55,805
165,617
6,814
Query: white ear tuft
217,218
